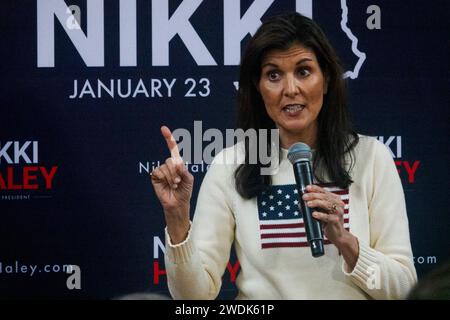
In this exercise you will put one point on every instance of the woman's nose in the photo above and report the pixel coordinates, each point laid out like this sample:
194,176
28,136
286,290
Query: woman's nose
291,86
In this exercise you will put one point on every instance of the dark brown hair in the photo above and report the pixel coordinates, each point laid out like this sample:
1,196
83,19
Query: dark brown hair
335,137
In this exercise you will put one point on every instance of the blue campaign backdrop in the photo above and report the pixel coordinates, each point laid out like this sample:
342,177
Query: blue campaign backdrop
84,91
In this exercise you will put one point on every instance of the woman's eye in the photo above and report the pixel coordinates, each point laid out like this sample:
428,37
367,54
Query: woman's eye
272,75
304,72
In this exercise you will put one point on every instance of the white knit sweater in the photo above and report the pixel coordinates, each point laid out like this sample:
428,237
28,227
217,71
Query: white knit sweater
376,216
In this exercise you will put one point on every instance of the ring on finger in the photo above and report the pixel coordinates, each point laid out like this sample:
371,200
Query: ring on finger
333,208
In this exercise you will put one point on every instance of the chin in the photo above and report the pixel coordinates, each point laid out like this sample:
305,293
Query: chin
294,125
294,130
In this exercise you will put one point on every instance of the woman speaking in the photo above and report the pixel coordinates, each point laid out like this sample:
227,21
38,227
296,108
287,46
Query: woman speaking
290,80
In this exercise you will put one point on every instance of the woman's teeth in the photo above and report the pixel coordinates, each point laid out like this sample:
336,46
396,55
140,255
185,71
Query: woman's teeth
294,108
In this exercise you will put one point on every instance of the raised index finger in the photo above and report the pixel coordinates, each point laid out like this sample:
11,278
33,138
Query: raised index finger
171,143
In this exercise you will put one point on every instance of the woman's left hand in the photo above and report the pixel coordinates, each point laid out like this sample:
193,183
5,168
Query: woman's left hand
331,214
329,210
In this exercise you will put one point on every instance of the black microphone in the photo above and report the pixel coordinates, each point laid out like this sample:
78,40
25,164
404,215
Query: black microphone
299,155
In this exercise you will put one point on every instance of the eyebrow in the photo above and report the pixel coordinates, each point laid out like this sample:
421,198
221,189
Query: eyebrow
276,66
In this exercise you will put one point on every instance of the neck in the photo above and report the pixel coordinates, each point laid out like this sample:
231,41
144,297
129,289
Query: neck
309,137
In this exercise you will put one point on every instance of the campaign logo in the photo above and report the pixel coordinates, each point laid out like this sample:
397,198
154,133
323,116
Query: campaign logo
237,25
22,176
407,168
90,43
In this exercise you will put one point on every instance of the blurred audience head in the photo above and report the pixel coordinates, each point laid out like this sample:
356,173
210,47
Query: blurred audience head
435,285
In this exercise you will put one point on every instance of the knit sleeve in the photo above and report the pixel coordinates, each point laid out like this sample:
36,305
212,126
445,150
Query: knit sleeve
385,267
195,267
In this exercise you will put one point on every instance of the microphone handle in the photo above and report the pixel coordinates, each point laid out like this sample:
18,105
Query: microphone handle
314,235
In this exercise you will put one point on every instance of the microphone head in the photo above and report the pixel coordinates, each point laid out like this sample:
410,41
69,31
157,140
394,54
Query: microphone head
299,151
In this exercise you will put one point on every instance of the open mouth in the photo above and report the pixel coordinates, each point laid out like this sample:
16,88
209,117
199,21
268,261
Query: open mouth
293,108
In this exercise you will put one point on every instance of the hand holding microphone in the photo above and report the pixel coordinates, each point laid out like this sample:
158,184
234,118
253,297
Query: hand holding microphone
299,155
317,204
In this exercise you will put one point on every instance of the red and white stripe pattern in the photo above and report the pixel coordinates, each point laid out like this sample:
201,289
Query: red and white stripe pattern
281,222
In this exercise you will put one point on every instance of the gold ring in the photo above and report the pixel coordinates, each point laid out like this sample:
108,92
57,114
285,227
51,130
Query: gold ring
333,208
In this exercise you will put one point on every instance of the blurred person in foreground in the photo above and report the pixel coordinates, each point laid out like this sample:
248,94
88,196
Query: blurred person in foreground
435,285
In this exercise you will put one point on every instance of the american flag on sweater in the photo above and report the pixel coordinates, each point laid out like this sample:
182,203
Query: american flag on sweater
281,220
